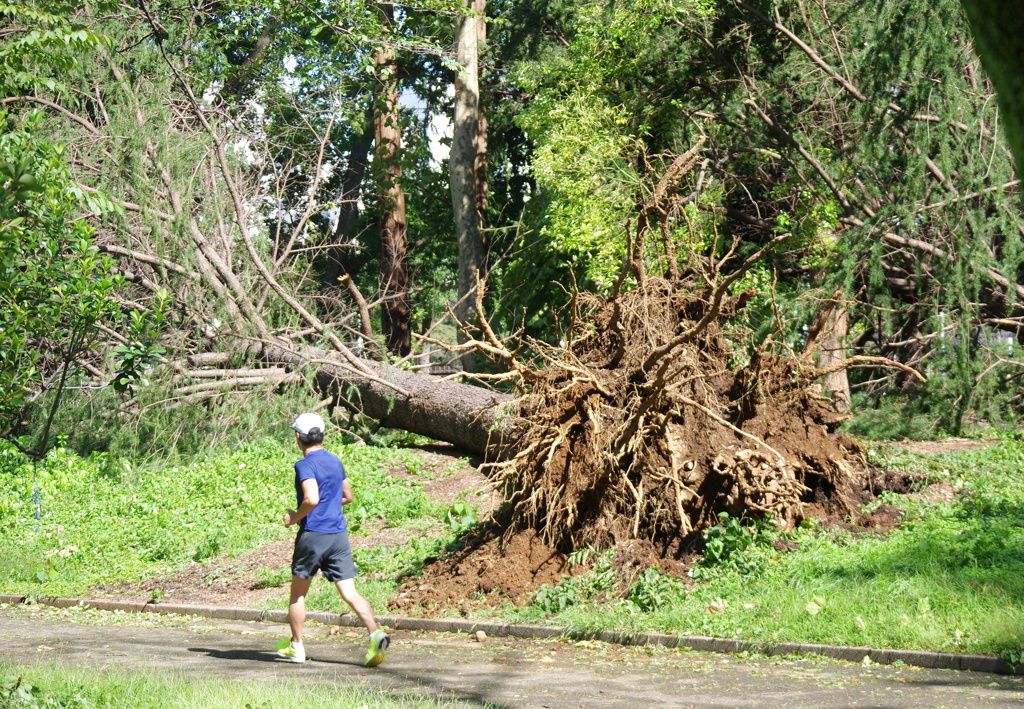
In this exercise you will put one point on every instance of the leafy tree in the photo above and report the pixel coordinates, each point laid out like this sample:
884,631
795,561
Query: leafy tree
37,35
54,285
866,129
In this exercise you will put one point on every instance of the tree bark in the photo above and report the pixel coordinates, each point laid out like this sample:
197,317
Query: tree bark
394,267
466,168
336,263
464,415
833,351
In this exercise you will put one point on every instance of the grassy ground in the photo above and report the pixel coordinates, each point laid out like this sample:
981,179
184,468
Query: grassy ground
950,579
101,521
42,686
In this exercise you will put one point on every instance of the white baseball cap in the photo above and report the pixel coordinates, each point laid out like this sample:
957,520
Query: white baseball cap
307,422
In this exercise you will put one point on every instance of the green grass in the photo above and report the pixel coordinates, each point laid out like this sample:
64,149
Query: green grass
951,579
102,521
39,686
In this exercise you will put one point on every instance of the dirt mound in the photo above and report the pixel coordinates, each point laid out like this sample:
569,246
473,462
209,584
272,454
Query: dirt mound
902,483
881,520
639,432
489,571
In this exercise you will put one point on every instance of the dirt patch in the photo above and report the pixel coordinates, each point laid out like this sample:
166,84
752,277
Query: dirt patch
450,489
630,559
946,445
489,571
221,582
937,492
875,482
881,520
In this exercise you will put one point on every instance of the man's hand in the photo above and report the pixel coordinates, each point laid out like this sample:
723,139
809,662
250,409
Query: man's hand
289,518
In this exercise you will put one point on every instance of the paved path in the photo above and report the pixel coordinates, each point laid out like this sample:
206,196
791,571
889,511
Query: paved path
498,672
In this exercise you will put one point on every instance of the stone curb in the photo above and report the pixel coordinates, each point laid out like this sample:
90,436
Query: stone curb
931,660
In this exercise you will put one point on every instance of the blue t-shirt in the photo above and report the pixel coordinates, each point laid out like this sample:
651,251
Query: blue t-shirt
324,467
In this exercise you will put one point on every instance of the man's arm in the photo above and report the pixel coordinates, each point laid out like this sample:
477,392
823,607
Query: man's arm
310,499
346,492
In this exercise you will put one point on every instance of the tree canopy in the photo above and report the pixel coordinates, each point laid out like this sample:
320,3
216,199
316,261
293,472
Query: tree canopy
227,160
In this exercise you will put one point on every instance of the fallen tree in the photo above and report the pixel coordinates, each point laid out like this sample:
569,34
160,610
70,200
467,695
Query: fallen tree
462,414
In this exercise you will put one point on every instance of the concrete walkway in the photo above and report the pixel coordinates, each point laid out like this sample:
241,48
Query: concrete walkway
500,672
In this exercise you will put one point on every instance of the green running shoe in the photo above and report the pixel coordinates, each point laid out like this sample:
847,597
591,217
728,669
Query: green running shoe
379,642
290,651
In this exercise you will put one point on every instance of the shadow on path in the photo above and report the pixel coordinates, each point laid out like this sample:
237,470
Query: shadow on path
251,655
400,677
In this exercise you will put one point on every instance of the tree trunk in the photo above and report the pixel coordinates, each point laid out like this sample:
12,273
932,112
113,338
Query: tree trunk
394,267
833,350
338,261
480,170
464,415
466,168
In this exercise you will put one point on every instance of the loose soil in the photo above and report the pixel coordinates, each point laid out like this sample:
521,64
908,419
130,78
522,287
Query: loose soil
946,445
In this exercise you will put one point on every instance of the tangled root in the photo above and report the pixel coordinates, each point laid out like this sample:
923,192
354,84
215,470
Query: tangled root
649,427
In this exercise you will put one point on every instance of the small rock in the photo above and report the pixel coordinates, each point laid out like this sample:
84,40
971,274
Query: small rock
480,636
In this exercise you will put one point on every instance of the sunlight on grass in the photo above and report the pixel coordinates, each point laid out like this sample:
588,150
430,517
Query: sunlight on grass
40,686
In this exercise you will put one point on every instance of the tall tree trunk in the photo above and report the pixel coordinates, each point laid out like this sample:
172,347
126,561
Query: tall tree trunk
480,167
998,28
338,260
467,167
833,350
394,266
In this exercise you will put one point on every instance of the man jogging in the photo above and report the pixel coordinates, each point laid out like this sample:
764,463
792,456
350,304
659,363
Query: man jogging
321,489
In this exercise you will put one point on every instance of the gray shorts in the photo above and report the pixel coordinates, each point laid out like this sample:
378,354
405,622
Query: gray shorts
315,551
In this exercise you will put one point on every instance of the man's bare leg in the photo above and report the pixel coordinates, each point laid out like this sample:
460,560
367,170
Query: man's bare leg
297,607
349,594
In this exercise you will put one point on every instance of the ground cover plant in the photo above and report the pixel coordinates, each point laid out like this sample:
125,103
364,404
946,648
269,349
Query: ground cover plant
39,686
102,521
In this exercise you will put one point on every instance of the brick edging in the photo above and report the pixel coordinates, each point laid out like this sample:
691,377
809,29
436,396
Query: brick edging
931,660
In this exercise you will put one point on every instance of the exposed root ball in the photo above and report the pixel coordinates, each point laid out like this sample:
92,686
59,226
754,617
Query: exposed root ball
649,426
636,436
759,485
